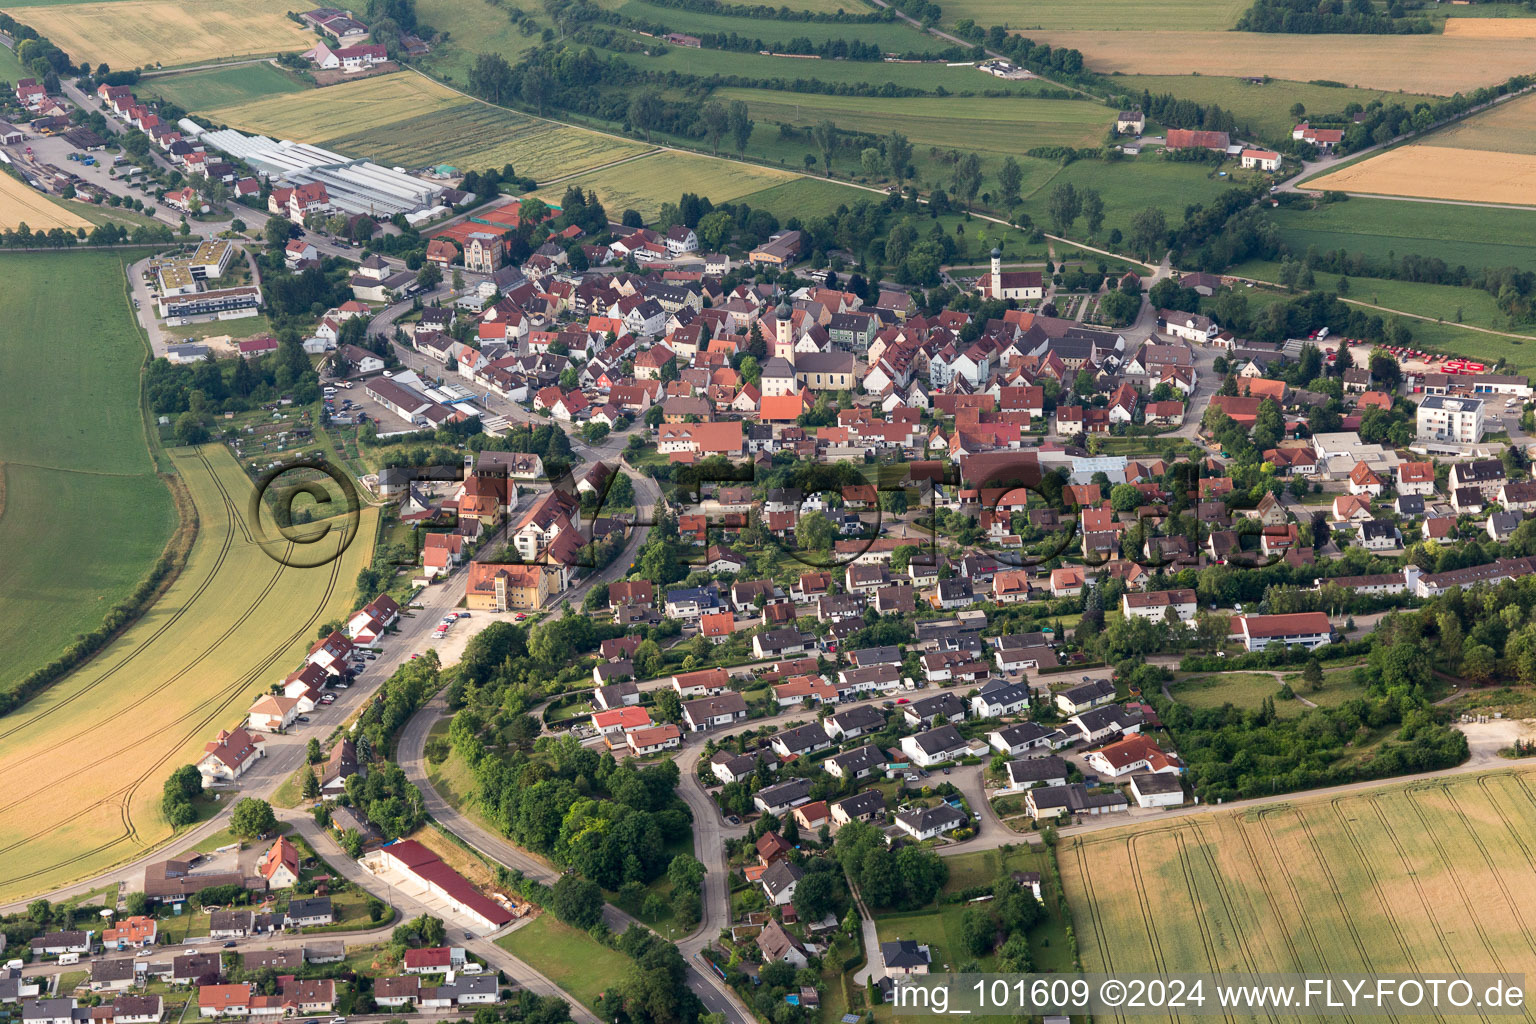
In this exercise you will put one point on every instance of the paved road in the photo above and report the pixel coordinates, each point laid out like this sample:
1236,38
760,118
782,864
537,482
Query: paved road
286,752
716,997
481,945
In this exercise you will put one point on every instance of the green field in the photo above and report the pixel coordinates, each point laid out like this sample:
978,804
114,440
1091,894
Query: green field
1470,236
82,785
474,26
571,959
927,76
805,197
1130,186
200,90
1002,125
1242,689
891,37
1266,109
10,67
1383,881
646,183
1183,15
70,459
1476,307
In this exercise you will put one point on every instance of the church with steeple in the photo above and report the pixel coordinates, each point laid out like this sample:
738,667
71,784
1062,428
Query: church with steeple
1022,285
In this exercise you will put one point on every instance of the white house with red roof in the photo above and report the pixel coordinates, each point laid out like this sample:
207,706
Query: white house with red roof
620,720
229,755
272,713
280,865
331,653
1135,753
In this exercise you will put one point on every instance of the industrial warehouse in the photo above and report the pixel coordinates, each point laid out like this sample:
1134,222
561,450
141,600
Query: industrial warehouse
351,186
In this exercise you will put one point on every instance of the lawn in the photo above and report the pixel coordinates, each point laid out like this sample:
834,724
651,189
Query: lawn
996,124
1266,109
233,621
1382,881
571,959
475,26
200,90
59,580
939,929
928,76
1244,689
806,197
646,183
1471,236
138,33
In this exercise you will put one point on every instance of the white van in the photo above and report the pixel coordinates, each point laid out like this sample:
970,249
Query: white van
13,965
69,958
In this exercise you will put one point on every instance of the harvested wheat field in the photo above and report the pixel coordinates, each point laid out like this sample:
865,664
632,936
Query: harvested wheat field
82,764
1438,172
1509,127
1400,879
323,114
1491,28
137,33
1420,64
20,203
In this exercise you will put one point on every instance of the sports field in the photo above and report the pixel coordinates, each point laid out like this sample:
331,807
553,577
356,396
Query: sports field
82,517
1263,108
1409,878
999,124
645,184
81,766
20,204
136,33
1434,64
408,119
1440,172
201,90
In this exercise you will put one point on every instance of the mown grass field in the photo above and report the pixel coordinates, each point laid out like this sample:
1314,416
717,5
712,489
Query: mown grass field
20,204
646,183
1408,878
805,197
1118,15
571,959
1264,108
891,37
1242,689
475,26
83,516
1470,236
409,120
201,90
1435,64
1509,127
1005,125
1475,307
81,766
136,33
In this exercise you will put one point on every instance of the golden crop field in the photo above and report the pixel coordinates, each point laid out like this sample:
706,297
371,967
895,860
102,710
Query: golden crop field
645,184
1509,127
1491,28
1422,64
82,765
1438,172
20,202
1424,877
138,33
323,114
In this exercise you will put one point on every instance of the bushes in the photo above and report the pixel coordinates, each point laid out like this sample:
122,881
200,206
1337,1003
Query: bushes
184,786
